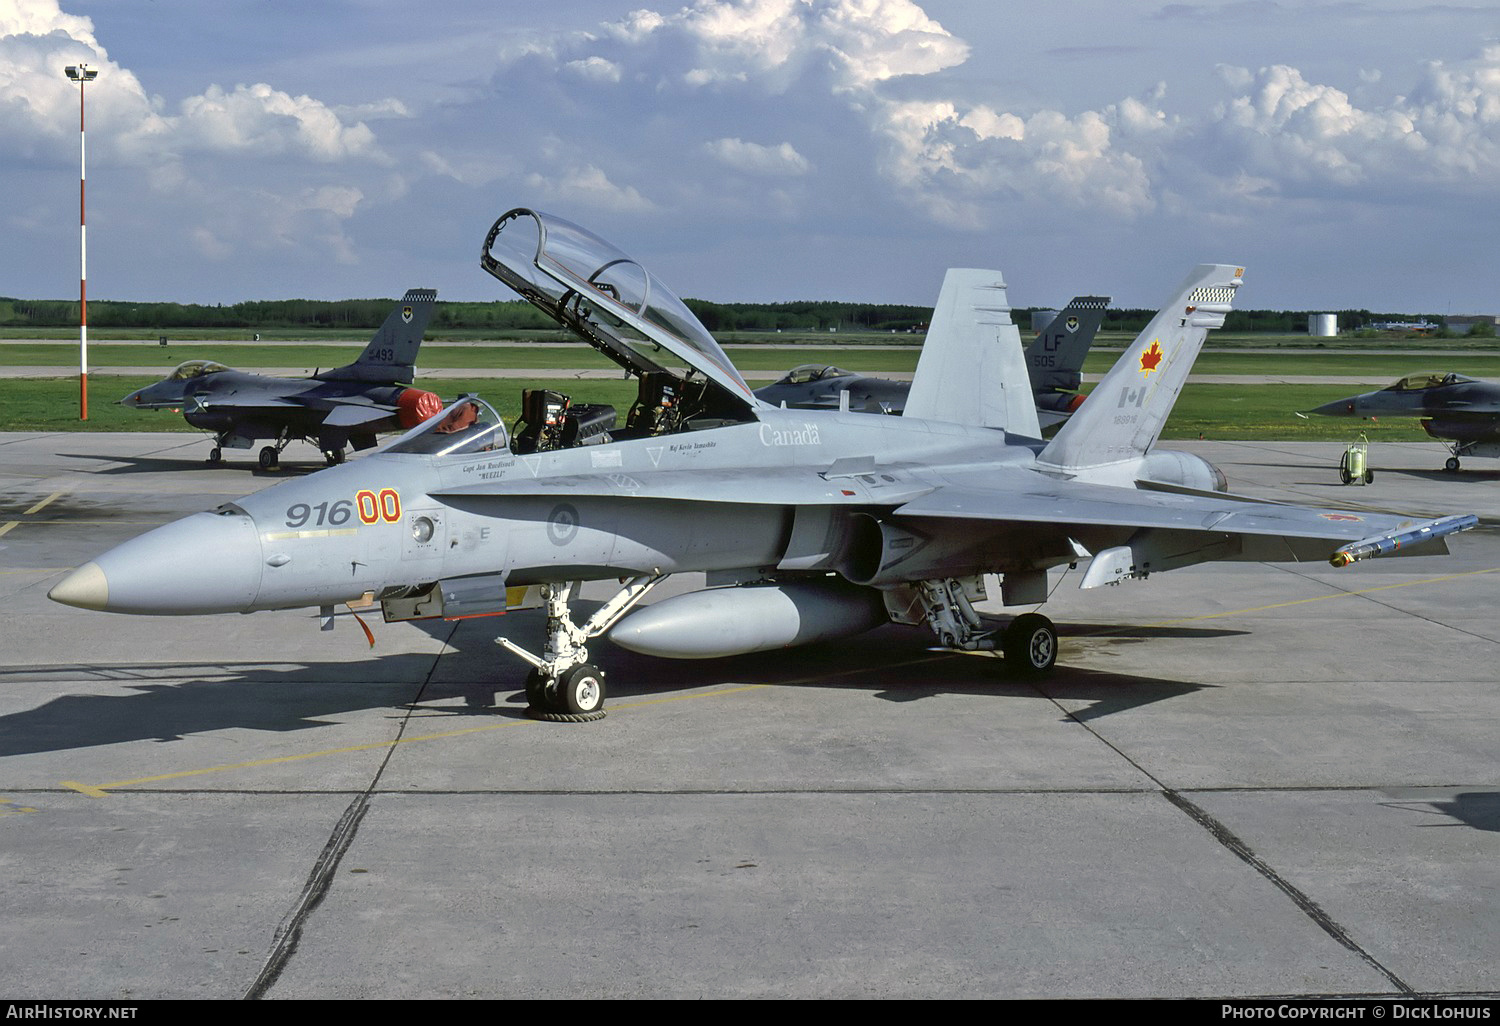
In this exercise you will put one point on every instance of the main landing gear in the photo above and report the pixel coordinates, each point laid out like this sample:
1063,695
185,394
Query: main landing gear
563,685
1029,643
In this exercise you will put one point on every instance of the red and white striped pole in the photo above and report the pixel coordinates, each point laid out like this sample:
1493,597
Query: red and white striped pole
82,73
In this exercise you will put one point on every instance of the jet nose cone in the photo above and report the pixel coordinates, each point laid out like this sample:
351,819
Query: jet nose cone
86,588
205,563
1338,408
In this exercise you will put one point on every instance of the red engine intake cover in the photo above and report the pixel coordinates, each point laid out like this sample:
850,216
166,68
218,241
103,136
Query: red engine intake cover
414,406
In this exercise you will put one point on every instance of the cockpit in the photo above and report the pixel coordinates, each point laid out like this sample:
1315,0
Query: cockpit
685,380
1422,382
195,369
807,373
467,426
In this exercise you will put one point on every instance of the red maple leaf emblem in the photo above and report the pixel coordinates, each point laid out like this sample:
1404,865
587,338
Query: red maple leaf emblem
1151,358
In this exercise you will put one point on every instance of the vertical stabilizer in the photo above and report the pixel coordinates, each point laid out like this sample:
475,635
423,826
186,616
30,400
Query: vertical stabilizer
1125,412
972,369
1055,358
392,353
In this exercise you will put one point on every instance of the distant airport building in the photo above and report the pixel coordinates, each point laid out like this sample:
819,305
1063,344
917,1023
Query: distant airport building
1404,326
1323,325
1466,325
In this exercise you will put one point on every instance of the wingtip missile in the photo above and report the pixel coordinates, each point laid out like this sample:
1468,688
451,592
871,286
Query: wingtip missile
1385,544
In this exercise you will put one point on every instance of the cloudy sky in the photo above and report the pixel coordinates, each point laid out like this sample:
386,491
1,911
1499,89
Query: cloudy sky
1347,152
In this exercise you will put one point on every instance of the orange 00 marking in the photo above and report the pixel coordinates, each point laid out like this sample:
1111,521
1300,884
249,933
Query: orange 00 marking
369,509
390,505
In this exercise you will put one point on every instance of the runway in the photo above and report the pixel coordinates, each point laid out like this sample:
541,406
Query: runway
1242,780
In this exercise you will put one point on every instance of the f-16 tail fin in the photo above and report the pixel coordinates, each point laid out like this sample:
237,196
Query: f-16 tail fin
392,353
972,369
1125,412
1055,359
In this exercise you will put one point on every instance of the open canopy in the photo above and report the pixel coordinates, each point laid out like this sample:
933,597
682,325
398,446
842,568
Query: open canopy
609,299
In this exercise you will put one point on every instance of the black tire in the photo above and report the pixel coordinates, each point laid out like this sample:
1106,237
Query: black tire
1344,476
1030,645
536,690
1452,465
216,455
269,458
333,456
1369,477
580,690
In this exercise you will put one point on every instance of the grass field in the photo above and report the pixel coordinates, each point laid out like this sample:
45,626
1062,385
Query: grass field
759,362
1252,412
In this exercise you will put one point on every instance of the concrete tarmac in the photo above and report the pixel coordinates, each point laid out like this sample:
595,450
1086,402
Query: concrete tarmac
1242,780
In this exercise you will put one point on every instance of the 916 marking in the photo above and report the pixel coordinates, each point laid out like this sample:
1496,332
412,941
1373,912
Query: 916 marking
372,507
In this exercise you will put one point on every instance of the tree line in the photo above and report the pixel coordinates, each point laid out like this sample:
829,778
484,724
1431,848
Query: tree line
500,315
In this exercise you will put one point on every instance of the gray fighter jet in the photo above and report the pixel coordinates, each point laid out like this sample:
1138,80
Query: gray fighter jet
332,409
1463,412
1054,362
808,524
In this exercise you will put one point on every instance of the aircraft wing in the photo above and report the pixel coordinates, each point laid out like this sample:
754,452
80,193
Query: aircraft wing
1168,529
355,413
261,402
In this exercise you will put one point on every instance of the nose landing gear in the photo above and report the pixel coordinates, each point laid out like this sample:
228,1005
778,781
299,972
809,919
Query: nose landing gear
562,685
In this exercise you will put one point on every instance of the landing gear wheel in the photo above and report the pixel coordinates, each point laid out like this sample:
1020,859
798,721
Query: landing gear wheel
269,458
1452,465
333,456
576,697
1030,645
215,455
536,690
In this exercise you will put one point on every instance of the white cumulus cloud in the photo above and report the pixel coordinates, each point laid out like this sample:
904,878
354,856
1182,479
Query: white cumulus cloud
753,158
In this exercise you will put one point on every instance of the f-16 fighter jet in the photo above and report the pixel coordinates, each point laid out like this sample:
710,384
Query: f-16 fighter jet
1054,361
811,524
1461,411
332,409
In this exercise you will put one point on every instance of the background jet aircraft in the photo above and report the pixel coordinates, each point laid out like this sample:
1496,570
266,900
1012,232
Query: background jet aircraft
332,409
817,524
1461,411
1054,362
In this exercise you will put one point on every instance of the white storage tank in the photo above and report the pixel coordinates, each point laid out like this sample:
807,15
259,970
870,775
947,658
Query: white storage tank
1323,325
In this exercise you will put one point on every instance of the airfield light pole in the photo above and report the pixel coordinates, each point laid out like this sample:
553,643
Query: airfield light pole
82,73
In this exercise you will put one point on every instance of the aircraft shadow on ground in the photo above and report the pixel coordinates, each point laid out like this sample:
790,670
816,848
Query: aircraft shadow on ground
158,464
1479,810
473,677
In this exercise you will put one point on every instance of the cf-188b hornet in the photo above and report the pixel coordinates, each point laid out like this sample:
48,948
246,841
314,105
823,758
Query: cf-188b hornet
1054,362
809,524
333,409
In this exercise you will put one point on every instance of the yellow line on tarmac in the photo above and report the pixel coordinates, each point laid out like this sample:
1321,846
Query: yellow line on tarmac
44,502
103,790
6,527
92,792
1325,598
